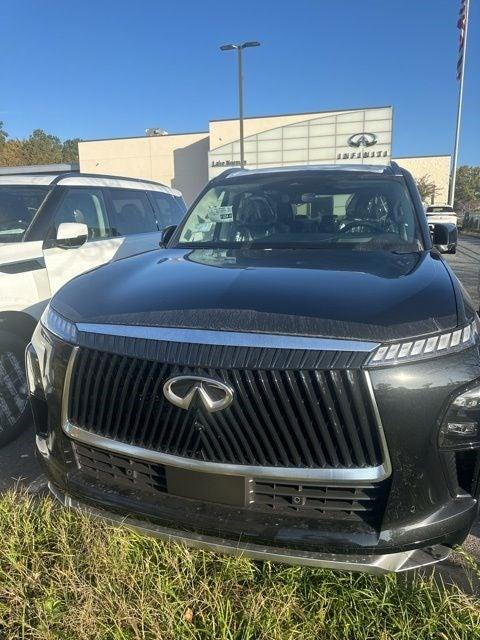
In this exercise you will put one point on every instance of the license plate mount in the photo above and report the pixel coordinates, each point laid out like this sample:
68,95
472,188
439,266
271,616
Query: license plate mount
208,487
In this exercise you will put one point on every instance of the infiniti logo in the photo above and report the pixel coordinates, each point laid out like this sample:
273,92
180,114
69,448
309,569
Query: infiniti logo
182,391
362,140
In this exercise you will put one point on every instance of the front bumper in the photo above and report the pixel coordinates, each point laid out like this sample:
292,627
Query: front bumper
376,564
329,544
421,516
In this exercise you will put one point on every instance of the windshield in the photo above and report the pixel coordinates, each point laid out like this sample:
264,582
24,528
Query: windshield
316,211
18,205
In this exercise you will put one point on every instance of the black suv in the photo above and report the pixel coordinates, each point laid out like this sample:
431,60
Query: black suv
294,376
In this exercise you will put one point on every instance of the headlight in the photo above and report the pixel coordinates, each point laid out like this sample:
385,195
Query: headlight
461,426
58,325
440,344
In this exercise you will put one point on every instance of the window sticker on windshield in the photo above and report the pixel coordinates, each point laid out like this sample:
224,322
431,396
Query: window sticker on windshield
220,214
204,227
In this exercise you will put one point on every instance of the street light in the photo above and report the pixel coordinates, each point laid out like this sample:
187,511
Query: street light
239,48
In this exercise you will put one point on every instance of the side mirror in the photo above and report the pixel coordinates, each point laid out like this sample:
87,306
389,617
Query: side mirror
444,234
71,234
167,234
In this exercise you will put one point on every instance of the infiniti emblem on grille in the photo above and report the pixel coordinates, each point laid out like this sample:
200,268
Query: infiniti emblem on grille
182,391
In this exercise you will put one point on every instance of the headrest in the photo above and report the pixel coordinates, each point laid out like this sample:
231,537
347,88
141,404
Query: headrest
256,210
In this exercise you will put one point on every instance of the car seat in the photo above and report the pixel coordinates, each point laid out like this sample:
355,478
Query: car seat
130,220
256,217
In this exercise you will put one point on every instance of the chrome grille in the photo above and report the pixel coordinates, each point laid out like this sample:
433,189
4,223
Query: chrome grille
302,418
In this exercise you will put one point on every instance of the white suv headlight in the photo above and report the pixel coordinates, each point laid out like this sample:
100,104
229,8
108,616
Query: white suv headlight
423,348
58,325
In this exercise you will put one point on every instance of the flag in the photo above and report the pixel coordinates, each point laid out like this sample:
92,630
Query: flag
461,24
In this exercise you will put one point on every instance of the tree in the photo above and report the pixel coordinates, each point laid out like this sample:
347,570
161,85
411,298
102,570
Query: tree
42,148
39,148
70,150
467,189
427,188
11,153
3,135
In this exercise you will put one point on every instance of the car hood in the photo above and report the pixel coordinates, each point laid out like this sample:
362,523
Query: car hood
365,295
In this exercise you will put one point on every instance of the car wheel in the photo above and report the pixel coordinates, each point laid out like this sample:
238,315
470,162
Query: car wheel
15,414
453,250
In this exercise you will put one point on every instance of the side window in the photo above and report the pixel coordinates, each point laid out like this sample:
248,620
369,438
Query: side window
130,212
87,206
170,210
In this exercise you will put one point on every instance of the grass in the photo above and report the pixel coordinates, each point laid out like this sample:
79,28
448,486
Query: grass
66,576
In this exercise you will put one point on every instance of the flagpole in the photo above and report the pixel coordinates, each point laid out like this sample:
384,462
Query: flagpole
453,177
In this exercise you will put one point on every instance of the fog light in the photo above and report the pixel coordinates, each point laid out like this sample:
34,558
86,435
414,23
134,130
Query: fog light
461,427
469,399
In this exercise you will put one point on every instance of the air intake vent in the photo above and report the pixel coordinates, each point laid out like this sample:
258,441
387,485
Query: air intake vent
468,468
307,500
346,502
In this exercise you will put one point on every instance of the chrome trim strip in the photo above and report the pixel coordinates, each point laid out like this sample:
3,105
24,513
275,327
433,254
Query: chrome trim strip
227,338
381,434
66,385
295,474
376,564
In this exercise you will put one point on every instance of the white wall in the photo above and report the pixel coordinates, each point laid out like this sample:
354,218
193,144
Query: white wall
179,161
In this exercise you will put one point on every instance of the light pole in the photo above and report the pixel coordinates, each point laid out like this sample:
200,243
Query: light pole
462,23
239,48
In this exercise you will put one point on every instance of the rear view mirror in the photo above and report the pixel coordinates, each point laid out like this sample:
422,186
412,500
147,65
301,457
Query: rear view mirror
71,234
444,234
167,234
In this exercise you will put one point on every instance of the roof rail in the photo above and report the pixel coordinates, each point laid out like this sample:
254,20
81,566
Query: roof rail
40,169
76,174
396,169
227,172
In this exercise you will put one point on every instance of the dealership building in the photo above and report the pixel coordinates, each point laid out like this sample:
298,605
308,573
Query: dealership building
186,161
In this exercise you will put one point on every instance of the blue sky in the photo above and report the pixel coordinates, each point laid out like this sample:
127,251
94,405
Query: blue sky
112,68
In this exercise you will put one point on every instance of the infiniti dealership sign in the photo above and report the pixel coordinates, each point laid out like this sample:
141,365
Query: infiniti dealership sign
362,141
335,137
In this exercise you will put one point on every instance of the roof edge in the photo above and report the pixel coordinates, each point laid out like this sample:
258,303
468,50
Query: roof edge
303,113
168,135
424,155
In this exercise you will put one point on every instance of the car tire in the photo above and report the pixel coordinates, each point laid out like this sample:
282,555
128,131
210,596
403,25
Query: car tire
452,250
15,412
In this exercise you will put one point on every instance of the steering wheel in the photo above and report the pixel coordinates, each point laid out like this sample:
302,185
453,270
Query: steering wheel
355,224
247,229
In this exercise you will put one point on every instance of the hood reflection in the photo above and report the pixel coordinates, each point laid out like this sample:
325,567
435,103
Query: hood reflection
383,264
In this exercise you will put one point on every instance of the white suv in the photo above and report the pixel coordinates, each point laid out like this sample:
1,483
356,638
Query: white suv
445,214
52,228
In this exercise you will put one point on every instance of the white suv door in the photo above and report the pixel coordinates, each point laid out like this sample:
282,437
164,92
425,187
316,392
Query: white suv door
120,223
